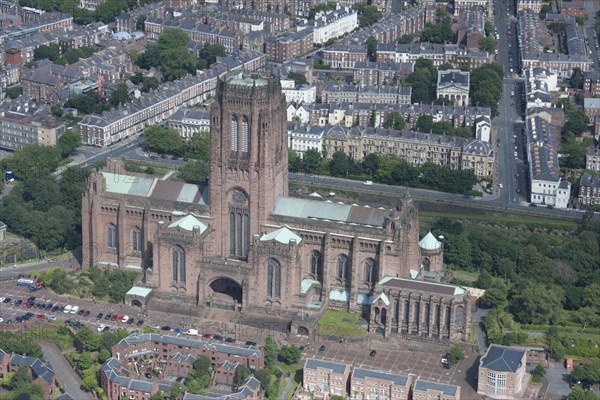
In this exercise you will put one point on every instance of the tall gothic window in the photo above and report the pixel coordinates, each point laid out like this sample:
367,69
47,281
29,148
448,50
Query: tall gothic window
178,265
245,134
396,310
234,133
458,317
416,315
371,273
112,237
343,267
427,308
136,234
239,229
273,278
316,265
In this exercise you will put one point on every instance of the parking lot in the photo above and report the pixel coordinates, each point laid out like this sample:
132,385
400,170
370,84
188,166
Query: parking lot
86,311
418,359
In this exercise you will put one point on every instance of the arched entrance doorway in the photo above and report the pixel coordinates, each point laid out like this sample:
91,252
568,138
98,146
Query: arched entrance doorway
226,290
136,303
302,330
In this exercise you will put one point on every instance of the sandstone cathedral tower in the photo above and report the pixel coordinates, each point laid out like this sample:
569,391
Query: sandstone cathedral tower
239,242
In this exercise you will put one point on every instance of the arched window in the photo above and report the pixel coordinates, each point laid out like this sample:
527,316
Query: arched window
178,264
239,225
426,264
416,314
406,312
437,317
273,278
343,267
396,310
136,234
245,134
316,265
458,317
112,237
371,273
426,318
234,133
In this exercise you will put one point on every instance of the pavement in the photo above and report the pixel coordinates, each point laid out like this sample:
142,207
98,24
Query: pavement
65,375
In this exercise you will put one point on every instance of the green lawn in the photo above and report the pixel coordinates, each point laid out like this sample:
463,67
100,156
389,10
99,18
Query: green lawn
341,323
427,219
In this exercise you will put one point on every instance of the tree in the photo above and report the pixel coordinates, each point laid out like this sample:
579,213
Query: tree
577,122
579,394
494,297
456,354
166,141
487,44
339,164
299,79
241,374
177,62
202,366
89,381
69,141
270,350
13,92
119,95
20,379
32,158
536,303
88,340
149,58
311,163
172,38
538,373
546,8
367,14
372,48
424,123
577,79
406,39
175,390
208,55
394,121
85,361
50,52
290,354
140,23
193,171
199,145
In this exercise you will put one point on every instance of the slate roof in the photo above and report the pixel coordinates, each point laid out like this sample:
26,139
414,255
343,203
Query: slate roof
447,390
421,286
360,373
148,186
65,396
312,363
40,369
320,210
502,359
192,343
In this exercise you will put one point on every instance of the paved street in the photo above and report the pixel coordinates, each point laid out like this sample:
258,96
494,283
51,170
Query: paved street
65,375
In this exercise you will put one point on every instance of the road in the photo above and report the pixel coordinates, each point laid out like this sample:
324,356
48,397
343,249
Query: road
64,373
31,268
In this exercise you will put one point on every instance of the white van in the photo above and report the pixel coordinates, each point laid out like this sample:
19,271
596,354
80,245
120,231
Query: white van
74,310
67,309
368,183
192,332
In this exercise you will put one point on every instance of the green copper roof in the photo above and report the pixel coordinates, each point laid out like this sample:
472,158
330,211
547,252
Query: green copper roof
306,284
188,223
139,291
429,242
248,81
281,235
383,298
339,295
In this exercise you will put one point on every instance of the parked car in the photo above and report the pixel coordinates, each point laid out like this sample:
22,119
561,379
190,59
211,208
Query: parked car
75,310
101,328
322,348
230,340
155,326
140,322
115,317
130,321
51,318
48,307
99,316
67,309
218,337
372,353
80,312
108,317
166,328
250,343
178,330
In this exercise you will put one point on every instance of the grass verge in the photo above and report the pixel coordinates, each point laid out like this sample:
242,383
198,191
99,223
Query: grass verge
341,323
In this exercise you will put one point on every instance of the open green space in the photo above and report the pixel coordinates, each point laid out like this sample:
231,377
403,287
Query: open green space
427,219
341,323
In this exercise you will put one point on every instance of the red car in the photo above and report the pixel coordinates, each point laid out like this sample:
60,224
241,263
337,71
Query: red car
207,336
114,318
120,318
40,316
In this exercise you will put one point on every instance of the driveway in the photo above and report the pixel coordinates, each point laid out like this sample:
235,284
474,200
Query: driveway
556,385
64,373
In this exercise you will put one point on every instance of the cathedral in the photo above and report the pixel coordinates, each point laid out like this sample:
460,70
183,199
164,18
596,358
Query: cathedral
240,242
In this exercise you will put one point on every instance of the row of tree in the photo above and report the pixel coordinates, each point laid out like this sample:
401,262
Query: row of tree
169,141
172,57
384,169
52,52
105,12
